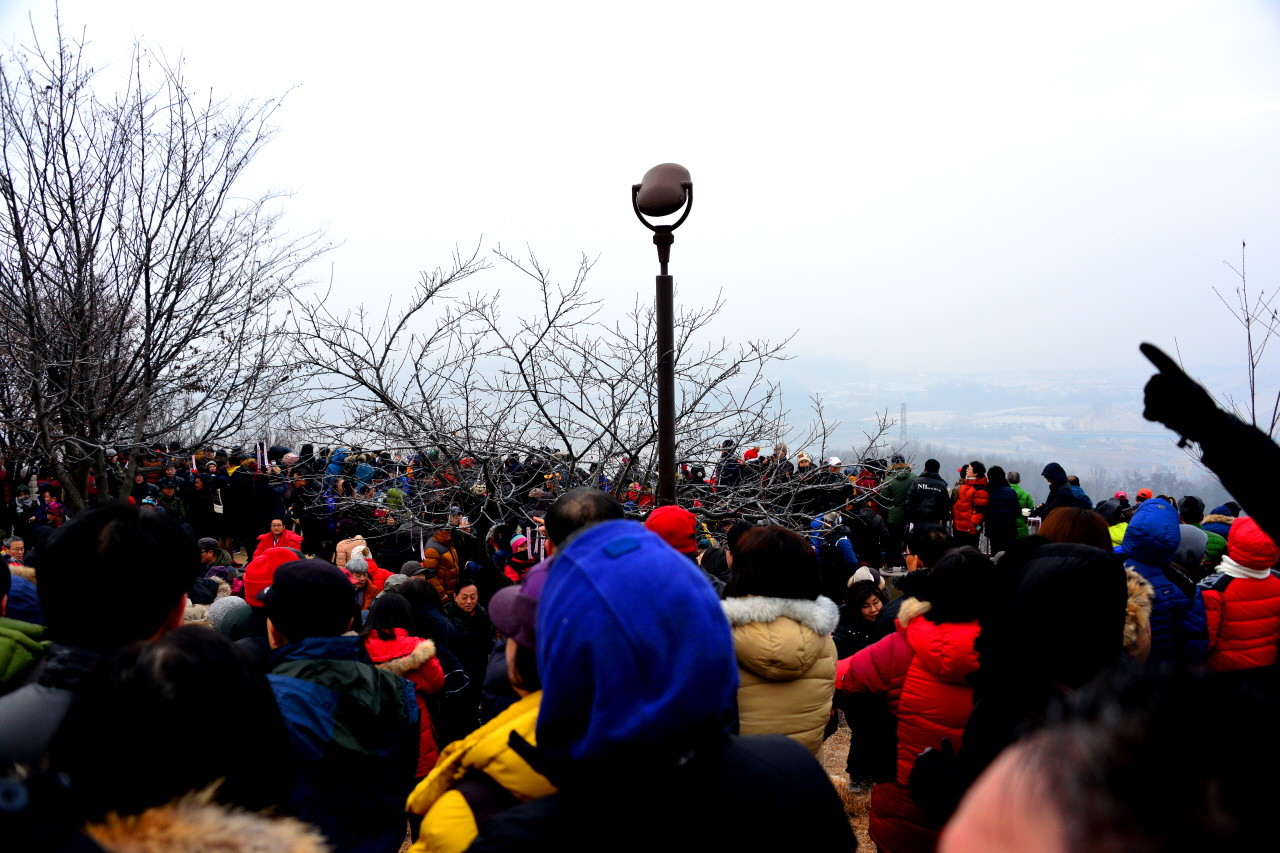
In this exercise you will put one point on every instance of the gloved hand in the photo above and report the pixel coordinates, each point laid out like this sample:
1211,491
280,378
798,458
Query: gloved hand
1178,401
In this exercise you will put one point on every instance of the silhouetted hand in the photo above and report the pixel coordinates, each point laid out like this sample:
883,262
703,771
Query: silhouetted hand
1176,400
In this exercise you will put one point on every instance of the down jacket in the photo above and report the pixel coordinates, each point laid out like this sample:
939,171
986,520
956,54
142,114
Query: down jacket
1177,613
440,559
786,665
451,799
971,504
415,659
924,668
1242,602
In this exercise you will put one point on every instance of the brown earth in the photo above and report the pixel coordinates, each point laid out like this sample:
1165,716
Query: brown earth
856,806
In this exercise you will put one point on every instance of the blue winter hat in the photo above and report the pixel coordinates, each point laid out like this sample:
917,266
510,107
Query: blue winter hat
634,650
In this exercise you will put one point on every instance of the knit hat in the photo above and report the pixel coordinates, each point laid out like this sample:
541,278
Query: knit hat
802,456
221,609
1250,547
519,541
676,526
203,591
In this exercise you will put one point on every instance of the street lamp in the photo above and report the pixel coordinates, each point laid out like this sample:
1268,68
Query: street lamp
662,191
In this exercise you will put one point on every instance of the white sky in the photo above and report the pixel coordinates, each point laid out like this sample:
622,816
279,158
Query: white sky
960,186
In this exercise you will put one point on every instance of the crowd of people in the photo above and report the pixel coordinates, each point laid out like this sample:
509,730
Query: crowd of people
234,658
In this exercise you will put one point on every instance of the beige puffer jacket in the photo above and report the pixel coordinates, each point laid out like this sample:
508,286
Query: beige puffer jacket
786,665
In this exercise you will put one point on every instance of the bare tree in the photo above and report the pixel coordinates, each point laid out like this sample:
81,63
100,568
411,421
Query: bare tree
1261,322
141,291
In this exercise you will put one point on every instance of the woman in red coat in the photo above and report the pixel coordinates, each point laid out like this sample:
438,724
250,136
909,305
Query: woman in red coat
1242,601
924,668
391,647
971,504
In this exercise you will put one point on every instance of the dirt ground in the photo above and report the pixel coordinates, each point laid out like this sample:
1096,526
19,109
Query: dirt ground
856,806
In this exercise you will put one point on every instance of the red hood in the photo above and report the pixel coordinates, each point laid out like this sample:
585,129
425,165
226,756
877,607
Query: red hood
944,650
261,569
381,651
1249,546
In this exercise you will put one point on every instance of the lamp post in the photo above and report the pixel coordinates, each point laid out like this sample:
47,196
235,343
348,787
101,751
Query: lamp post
662,191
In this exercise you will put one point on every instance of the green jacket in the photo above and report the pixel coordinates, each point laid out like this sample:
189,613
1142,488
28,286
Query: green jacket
1025,501
1215,550
20,647
893,494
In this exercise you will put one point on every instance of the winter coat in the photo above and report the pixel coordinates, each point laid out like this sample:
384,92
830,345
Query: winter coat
853,634
924,669
893,494
343,550
1219,523
21,645
449,808
196,824
868,535
1061,492
475,638
1025,501
1177,613
786,665
441,558
971,505
415,659
1242,602
354,730
288,539
928,499
1003,512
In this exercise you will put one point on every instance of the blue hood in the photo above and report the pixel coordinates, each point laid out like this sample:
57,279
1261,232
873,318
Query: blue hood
634,649
1057,476
1152,535
335,461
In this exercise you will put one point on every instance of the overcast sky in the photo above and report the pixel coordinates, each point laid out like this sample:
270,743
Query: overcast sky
951,186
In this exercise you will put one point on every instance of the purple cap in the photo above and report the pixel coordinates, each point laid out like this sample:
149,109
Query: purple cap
515,615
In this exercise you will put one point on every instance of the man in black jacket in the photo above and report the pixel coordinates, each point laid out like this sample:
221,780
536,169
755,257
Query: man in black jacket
929,498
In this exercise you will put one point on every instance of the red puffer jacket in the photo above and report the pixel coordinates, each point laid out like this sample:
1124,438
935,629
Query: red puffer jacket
970,505
415,659
923,668
1242,601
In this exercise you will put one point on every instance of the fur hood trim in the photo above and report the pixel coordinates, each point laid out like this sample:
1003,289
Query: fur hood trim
911,608
424,652
1217,519
23,572
1137,610
195,824
196,614
821,616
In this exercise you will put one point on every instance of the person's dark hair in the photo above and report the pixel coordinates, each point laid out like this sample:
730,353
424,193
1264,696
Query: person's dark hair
1191,508
1233,508
978,468
389,611
996,478
326,550
928,542
958,587
1014,478
116,540
862,590
463,584
773,561
932,465
1123,775
579,508
421,593
735,532
1073,524
146,705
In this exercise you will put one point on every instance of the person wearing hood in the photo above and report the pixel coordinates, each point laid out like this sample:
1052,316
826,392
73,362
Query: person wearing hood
924,668
782,629
970,505
142,489
1061,492
388,639
353,728
1177,614
640,677
1242,602
1199,550
929,498
1219,521
893,496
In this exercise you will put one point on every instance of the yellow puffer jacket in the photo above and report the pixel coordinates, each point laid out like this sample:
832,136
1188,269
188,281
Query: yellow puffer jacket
786,665
448,825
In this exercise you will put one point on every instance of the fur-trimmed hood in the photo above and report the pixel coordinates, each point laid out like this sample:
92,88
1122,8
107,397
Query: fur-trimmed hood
910,609
1137,615
195,824
403,664
820,616
23,572
780,639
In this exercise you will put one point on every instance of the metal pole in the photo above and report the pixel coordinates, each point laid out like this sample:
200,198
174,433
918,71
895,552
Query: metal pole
666,388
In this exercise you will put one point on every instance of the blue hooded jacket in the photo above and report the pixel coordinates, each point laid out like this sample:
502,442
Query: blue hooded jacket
1178,630
336,460
627,661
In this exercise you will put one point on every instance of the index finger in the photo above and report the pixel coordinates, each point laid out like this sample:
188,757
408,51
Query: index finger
1161,360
